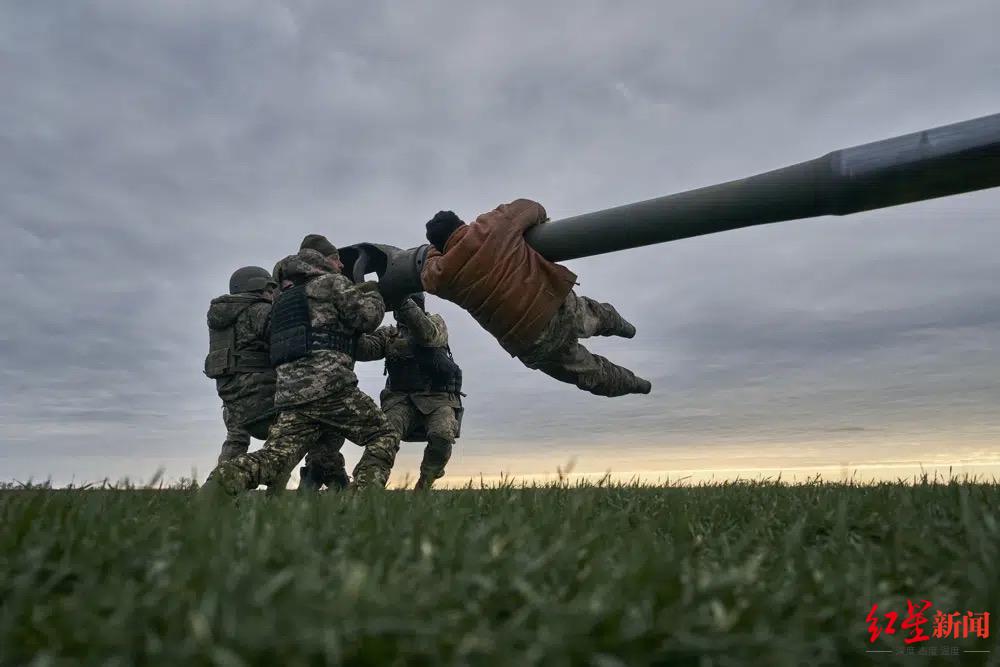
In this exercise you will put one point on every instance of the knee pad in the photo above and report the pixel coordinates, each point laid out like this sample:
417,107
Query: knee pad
440,440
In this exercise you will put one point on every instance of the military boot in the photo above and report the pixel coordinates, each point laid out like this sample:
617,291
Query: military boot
339,481
212,492
437,453
611,322
616,325
604,378
308,483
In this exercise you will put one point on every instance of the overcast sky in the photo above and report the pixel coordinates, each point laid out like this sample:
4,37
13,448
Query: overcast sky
149,149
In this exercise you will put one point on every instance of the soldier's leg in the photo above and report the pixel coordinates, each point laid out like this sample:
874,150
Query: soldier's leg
290,437
401,417
355,415
591,372
237,438
442,426
338,478
593,318
325,464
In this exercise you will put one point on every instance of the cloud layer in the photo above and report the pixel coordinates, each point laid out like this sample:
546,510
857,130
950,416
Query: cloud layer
149,150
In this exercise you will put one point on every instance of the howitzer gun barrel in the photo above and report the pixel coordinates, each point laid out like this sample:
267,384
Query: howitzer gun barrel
946,160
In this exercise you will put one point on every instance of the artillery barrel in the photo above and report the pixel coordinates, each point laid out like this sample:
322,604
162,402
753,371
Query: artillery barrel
946,160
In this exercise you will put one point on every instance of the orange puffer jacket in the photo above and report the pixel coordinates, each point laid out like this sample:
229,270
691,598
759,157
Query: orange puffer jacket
488,269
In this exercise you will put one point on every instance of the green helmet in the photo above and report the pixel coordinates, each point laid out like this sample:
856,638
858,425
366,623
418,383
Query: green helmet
250,279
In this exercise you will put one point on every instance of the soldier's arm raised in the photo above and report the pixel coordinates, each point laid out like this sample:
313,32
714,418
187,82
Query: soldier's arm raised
525,213
360,306
427,330
371,347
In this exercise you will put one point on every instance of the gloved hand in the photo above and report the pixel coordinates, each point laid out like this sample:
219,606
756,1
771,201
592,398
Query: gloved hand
407,304
407,311
368,286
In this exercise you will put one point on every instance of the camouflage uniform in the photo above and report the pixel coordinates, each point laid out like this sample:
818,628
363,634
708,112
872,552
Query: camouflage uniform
317,393
435,414
558,353
248,395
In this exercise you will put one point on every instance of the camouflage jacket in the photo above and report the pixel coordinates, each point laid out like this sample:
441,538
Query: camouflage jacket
335,304
247,396
389,342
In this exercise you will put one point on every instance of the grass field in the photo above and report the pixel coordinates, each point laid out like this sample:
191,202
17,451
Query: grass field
740,573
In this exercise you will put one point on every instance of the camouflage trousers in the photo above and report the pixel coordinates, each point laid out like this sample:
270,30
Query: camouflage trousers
350,414
558,353
237,437
324,461
441,427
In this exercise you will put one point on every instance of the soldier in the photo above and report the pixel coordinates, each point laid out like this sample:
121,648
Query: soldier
239,326
422,395
524,300
315,325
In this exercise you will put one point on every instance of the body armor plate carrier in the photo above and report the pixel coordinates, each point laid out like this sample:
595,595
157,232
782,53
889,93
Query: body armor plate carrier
292,334
224,359
429,369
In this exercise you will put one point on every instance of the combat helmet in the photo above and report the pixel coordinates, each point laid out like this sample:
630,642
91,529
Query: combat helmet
250,279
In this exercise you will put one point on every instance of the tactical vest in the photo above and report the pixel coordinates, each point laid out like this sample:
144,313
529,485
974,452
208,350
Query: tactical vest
225,359
292,333
427,369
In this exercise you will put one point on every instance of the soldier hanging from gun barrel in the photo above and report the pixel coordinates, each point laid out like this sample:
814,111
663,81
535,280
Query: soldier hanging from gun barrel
523,299
501,267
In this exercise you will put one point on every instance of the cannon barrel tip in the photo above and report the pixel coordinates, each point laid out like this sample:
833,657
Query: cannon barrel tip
398,270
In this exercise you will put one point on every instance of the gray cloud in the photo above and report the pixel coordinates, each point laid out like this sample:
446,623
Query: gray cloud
149,149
